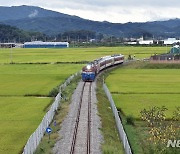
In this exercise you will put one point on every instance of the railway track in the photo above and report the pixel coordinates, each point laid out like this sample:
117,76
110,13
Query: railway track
81,142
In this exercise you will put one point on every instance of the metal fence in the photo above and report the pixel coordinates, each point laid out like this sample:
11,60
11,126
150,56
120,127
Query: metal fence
36,137
122,133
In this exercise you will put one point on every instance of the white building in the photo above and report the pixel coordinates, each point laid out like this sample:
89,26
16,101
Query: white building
146,42
170,41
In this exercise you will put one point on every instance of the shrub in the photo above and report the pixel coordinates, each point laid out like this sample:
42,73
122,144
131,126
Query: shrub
130,120
54,92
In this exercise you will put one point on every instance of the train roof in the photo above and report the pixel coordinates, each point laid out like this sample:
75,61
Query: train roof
117,55
107,57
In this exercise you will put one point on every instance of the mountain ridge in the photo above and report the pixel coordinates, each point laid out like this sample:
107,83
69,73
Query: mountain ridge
24,11
52,23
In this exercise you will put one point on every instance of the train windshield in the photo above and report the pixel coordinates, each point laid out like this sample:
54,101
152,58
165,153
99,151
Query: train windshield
90,65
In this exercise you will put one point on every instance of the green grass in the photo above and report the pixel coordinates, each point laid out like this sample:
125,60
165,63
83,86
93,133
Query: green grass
73,54
144,81
112,143
136,135
142,85
40,68
147,65
132,104
36,79
136,89
19,117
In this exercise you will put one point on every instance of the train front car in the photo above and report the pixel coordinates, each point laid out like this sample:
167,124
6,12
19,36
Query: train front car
89,72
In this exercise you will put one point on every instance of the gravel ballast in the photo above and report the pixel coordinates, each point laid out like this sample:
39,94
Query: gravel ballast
63,145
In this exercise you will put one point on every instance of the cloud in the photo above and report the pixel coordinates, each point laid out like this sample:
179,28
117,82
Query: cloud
122,15
33,14
119,3
109,10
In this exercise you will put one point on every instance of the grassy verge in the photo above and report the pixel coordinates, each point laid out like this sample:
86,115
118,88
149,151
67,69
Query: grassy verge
46,145
111,144
135,134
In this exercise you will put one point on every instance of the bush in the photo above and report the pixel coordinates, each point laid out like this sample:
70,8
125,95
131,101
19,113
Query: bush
53,92
130,120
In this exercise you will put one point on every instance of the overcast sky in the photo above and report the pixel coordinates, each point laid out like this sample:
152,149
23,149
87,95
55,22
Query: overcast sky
116,11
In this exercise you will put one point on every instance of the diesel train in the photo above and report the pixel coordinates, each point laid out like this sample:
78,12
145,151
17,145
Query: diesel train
90,71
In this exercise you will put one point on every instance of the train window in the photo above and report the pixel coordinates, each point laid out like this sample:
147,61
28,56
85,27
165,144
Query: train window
95,62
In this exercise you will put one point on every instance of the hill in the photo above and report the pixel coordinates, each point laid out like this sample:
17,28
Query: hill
52,23
23,12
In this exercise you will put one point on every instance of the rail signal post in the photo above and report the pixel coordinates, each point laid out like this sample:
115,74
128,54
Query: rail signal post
48,130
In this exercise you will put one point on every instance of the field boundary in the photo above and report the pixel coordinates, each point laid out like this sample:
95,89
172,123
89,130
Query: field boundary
38,134
121,132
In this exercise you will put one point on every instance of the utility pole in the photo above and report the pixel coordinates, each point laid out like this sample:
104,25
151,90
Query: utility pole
87,38
11,61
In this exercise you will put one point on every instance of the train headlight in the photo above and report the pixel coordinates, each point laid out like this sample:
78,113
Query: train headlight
88,67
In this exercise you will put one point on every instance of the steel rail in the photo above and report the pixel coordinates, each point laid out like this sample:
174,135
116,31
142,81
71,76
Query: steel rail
77,122
89,122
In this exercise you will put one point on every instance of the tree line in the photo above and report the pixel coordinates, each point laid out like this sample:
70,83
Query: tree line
76,37
13,34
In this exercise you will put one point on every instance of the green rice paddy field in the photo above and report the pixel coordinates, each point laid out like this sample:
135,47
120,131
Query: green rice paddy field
19,117
139,86
73,54
136,89
33,79
20,114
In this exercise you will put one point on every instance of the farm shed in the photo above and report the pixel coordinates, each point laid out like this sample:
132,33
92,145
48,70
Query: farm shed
40,44
162,57
172,57
7,45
